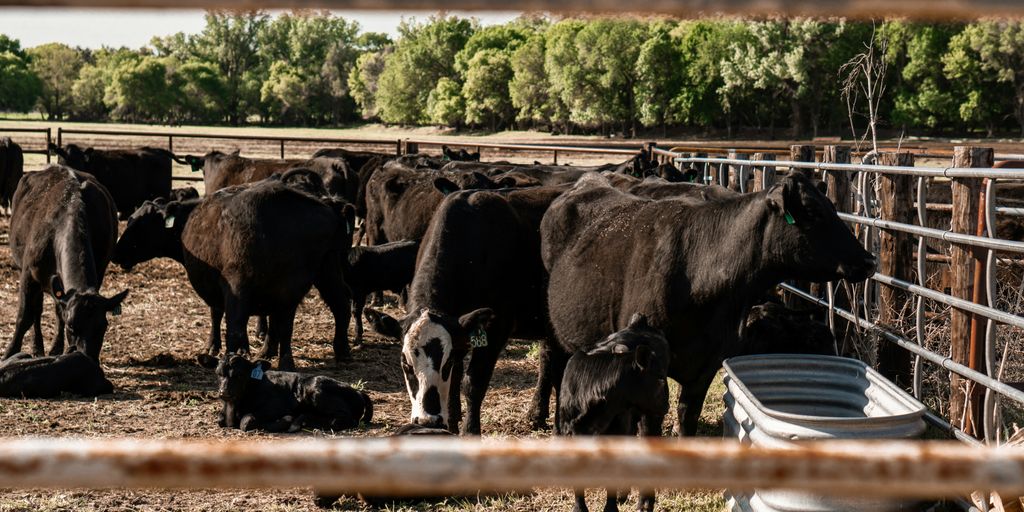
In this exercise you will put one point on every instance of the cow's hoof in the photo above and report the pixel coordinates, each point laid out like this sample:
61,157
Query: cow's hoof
342,359
207,361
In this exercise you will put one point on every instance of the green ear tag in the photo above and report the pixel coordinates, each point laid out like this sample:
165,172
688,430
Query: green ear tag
196,167
789,219
478,338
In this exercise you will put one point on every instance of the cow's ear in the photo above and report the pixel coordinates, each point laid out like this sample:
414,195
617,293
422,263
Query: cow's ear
474,157
383,324
776,199
394,185
113,304
476,320
348,212
445,186
642,357
263,365
236,152
57,287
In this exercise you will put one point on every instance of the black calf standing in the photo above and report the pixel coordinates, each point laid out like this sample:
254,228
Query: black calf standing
22,375
612,386
256,398
377,268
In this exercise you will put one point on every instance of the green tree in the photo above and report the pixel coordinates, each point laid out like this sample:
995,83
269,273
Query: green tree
445,105
922,96
229,41
608,50
703,45
363,81
141,91
997,48
567,78
486,89
202,92
657,83
425,53
19,86
529,89
57,65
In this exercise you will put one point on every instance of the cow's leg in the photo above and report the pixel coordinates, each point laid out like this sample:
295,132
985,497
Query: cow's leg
213,343
455,397
30,308
552,362
581,501
358,304
37,335
261,328
478,379
58,341
237,336
335,293
691,401
280,334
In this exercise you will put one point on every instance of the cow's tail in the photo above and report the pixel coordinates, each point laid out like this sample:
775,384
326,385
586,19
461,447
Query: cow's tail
367,408
170,154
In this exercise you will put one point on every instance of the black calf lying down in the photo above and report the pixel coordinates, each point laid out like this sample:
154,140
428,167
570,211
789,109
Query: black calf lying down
377,268
772,328
611,386
22,375
258,399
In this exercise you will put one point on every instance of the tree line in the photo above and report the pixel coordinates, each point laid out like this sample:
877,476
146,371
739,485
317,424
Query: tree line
571,75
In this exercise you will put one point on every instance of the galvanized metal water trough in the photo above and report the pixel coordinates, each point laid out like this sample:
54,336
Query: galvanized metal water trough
774,400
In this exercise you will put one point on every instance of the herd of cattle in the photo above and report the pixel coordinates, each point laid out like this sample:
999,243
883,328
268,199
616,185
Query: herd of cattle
625,274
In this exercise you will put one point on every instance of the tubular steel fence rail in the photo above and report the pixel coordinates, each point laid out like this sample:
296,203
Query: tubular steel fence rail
418,466
48,132
880,202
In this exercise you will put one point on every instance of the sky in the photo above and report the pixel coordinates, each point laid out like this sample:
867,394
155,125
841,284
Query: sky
93,28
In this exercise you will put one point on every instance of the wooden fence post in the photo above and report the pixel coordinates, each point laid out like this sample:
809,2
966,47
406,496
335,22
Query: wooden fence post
801,153
838,191
895,195
764,176
738,175
411,148
49,139
963,259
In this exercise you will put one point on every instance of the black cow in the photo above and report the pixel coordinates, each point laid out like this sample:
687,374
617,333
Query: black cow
63,229
657,188
401,201
12,166
256,249
221,170
611,386
478,279
256,398
131,175
378,268
363,164
24,376
461,155
183,194
772,328
692,269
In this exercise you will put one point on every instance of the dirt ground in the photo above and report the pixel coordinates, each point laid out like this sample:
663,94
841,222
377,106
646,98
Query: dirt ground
149,354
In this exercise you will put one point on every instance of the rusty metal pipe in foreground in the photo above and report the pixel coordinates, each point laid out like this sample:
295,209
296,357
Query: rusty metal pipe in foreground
422,466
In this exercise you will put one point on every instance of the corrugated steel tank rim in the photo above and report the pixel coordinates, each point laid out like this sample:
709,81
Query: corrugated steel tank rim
743,368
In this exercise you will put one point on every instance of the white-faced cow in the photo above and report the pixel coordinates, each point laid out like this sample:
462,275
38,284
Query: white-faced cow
693,270
478,279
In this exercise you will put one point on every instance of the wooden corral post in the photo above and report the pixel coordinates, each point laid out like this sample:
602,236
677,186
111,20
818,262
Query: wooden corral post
411,148
764,176
49,139
649,150
895,195
963,260
801,153
398,147
737,173
700,166
838,191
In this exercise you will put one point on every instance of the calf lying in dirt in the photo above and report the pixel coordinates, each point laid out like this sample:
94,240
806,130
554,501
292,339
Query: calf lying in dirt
22,375
258,399
611,386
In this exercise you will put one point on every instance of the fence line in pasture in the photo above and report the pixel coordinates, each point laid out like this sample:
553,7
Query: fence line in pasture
410,466
883,213
48,132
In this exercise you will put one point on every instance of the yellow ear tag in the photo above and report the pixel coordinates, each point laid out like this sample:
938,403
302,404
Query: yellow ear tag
58,294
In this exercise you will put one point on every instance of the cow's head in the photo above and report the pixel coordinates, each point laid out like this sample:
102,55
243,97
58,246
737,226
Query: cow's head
641,350
235,373
804,231
153,231
72,156
431,345
468,181
85,315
